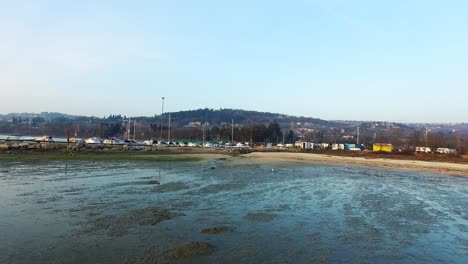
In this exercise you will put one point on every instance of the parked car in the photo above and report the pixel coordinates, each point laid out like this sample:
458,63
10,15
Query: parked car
446,151
423,150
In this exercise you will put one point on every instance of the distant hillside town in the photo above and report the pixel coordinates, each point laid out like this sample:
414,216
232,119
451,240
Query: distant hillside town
231,125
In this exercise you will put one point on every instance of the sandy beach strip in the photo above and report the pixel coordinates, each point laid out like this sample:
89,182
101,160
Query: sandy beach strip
290,159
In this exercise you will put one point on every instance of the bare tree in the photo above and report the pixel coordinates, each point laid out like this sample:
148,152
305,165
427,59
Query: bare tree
415,139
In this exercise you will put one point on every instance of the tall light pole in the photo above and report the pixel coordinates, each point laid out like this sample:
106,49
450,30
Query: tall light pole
162,114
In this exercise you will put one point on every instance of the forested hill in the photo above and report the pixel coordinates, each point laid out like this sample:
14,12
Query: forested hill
180,118
56,123
216,117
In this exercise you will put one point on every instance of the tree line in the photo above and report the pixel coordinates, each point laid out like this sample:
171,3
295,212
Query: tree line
404,138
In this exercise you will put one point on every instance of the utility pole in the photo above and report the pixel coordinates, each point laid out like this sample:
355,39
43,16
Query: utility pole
357,137
162,114
232,128
425,135
169,131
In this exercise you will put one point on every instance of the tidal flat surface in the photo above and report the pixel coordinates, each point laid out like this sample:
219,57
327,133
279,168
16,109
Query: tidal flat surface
187,212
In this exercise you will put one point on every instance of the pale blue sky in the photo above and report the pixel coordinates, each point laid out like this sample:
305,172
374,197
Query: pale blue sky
364,60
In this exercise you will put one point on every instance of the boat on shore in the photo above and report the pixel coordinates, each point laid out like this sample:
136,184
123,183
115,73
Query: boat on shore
93,140
112,141
45,139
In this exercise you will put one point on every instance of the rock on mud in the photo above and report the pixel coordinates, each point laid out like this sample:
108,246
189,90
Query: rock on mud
23,145
14,146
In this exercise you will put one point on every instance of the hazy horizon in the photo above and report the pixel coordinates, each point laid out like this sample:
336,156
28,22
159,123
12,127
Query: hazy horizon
362,60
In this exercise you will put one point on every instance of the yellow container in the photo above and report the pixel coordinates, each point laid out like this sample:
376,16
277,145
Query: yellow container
376,147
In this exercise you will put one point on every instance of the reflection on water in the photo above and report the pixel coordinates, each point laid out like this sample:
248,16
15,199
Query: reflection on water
85,212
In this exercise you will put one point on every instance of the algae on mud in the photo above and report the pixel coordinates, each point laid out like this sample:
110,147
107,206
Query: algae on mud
185,252
260,216
190,250
115,226
216,230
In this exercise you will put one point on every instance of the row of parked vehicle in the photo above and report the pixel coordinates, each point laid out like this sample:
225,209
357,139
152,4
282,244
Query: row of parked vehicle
160,143
117,141
438,150
193,144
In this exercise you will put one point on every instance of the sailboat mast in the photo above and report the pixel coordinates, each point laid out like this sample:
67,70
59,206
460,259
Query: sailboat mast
169,131
128,129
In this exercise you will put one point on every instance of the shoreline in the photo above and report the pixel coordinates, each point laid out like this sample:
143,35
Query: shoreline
289,159
238,159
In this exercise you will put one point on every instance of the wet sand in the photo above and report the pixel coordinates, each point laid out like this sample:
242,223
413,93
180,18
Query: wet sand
285,159
289,158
